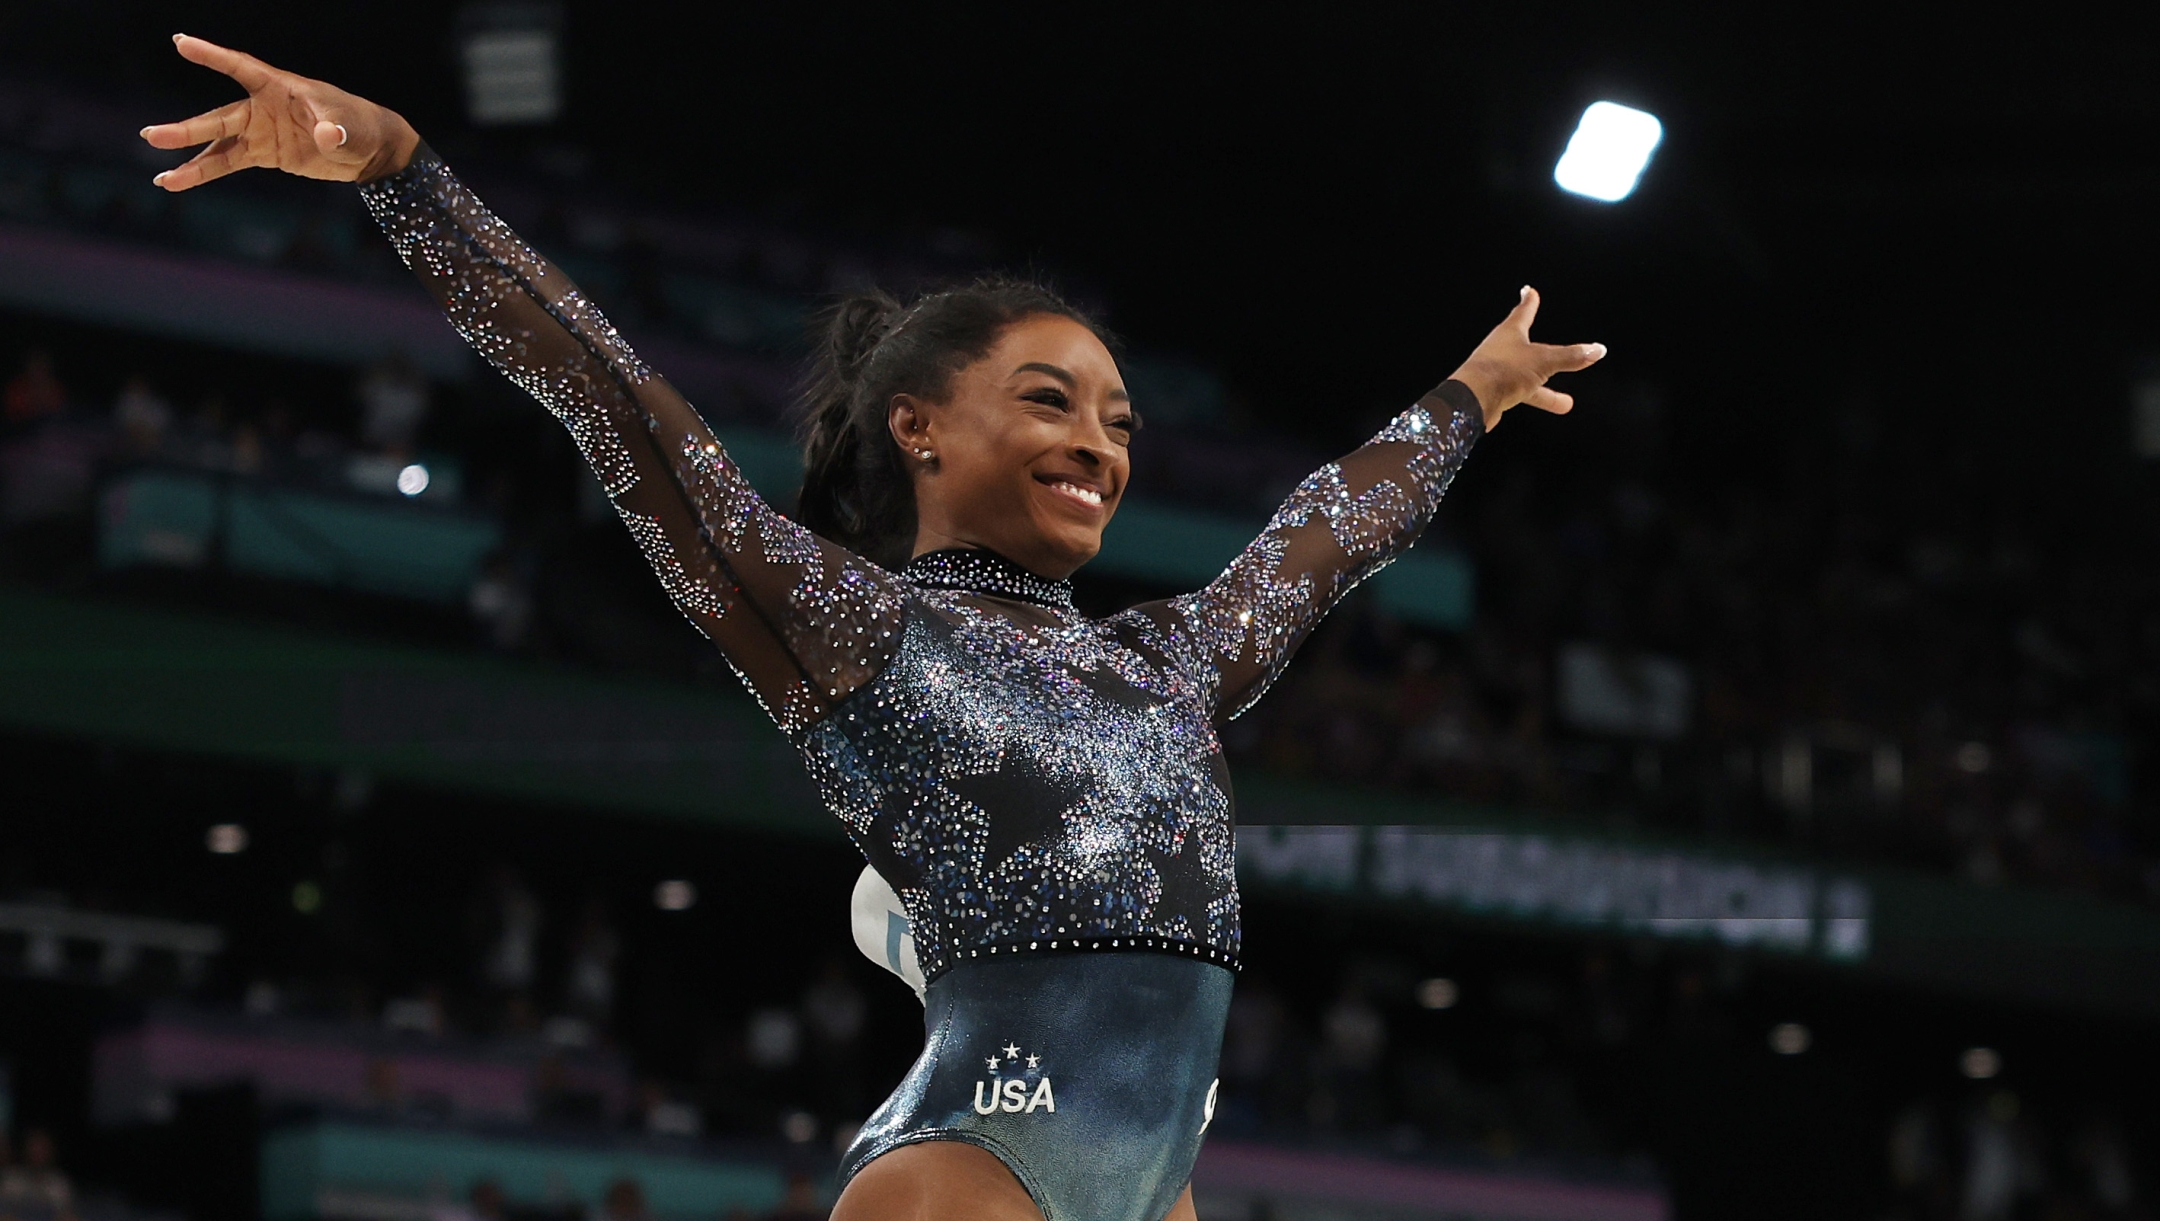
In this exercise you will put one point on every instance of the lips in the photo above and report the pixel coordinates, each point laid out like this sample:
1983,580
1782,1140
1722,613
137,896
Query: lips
1077,491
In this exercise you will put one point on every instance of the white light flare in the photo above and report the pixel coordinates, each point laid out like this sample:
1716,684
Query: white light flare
412,480
1790,1038
1438,994
1608,152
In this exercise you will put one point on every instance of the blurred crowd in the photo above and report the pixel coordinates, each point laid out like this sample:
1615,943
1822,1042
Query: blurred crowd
1779,664
34,1188
624,1201
267,438
74,161
1872,648
1984,1158
1782,665
1562,1059
1881,701
801,1070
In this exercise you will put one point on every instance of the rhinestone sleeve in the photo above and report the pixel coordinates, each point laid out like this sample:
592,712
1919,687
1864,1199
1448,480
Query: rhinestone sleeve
803,622
1345,522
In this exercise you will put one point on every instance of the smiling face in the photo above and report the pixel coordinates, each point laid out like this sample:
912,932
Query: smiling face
1029,448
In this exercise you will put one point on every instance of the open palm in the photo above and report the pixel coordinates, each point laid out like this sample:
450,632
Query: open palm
287,122
1510,368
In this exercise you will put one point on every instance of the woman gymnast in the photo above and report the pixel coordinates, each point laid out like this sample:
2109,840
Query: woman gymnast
1043,793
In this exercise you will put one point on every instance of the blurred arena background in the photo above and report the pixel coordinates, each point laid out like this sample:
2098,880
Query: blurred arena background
1742,804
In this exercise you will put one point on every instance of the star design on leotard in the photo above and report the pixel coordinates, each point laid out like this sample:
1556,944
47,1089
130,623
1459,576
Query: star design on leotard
1034,1061
993,1062
1012,1051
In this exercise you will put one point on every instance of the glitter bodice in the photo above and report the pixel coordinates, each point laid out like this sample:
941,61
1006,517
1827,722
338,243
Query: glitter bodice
1026,778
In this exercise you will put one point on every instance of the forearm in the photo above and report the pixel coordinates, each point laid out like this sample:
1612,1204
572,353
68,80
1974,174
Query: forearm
766,590
520,314
1341,525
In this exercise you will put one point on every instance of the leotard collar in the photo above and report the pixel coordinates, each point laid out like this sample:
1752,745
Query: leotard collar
977,571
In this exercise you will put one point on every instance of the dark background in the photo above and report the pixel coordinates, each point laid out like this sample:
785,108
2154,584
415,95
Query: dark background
1904,255
1944,218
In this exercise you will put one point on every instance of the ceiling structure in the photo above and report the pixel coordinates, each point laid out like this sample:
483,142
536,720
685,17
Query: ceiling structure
1947,221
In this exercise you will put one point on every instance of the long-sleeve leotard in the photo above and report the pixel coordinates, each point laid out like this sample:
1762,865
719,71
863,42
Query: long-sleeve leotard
1345,522
802,620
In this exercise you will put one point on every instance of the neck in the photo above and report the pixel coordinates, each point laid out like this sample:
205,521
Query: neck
983,571
932,538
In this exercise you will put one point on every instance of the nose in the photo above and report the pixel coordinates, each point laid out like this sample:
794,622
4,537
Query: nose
1092,445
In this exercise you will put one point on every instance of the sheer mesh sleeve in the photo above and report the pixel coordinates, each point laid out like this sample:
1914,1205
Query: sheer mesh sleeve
1345,522
802,621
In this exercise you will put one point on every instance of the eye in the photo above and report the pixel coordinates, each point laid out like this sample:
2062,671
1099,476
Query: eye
1049,396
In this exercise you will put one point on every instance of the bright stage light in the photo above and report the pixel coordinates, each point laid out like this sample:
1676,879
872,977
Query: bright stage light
412,480
1608,151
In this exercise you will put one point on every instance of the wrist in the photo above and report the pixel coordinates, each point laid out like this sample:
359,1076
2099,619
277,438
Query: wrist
400,143
1487,383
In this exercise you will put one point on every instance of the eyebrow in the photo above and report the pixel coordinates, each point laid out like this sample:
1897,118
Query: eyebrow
1065,376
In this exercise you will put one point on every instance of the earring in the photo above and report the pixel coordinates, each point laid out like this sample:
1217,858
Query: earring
925,455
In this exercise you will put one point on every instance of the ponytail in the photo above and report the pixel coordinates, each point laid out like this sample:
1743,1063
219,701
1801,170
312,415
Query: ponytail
856,487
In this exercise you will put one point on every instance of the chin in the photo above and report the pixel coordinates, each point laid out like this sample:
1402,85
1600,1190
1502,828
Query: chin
1070,548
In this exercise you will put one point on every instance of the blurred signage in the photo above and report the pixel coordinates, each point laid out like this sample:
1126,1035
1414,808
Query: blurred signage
1630,695
1582,882
511,60
51,935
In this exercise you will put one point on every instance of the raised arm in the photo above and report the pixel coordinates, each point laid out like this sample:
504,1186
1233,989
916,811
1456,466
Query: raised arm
802,621
1350,518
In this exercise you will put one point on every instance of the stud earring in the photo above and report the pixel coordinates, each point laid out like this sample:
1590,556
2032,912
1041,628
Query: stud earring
925,455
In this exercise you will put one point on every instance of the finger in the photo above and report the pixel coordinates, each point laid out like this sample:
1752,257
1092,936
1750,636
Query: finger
1525,311
331,138
1545,398
202,129
212,163
250,72
1567,358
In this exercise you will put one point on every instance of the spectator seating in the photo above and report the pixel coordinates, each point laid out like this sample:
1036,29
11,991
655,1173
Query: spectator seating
137,1071
1235,1179
345,1170
374,544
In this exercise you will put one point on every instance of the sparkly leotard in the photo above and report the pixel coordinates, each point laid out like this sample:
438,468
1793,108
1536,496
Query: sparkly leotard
1028,780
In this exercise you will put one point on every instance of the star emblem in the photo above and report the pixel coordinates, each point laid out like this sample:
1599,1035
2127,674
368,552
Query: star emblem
993,1062
1012,1051
1034,1061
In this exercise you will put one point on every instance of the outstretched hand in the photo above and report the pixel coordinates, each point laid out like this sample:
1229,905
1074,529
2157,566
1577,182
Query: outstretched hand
1508,368
286,122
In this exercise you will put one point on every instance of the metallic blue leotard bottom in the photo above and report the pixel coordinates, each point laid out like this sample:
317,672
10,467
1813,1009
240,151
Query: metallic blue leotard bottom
1090,1075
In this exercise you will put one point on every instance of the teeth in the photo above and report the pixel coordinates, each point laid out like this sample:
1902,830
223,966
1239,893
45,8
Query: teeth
1090,495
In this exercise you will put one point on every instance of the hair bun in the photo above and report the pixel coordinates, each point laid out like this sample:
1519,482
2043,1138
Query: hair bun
854,326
